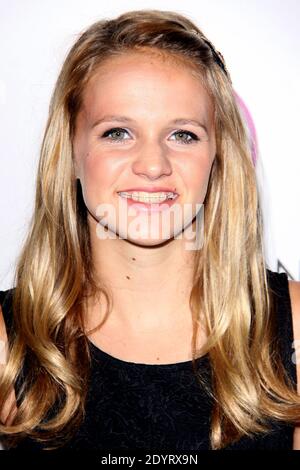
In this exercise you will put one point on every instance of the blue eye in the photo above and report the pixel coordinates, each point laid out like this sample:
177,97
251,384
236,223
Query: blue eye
114,130
119,130
192,136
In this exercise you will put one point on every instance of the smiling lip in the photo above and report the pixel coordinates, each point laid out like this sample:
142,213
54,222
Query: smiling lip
151,189
149,206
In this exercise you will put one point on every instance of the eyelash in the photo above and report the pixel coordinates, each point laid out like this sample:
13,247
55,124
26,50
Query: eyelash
180,131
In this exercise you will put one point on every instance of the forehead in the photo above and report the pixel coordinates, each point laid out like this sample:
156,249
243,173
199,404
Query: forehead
153,83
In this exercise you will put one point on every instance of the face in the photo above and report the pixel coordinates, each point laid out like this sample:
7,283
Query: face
146,124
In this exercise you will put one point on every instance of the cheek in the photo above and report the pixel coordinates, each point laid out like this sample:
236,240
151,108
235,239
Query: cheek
96,179
198,179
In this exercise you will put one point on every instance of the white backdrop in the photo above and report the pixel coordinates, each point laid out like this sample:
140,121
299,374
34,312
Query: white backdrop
260,41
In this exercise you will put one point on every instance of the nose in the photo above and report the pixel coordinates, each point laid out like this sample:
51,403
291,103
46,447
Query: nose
152,161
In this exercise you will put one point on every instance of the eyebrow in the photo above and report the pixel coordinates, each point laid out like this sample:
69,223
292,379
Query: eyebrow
180,121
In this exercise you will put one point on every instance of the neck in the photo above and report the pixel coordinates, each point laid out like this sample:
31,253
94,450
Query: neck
150,285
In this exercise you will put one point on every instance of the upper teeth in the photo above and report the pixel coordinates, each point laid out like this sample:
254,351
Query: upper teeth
148,197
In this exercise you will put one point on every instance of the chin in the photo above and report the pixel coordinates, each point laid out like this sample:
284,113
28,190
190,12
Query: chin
148,243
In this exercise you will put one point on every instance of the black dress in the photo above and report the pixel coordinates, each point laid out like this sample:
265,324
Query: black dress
162,407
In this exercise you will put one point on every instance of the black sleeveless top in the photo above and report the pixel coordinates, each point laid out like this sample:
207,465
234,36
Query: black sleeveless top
161,407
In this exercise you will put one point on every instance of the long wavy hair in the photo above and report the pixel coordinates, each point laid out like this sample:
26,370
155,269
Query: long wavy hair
54,274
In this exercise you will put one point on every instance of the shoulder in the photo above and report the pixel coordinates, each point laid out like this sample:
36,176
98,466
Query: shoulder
294,290
287,294
3,327
5,318
11,400
6,298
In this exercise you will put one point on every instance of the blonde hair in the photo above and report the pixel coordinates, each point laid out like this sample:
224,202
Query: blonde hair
54,274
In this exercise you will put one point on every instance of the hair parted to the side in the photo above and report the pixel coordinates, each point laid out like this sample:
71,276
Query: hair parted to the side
54,274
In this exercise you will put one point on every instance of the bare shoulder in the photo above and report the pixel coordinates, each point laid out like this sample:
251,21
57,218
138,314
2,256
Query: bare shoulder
3,340
294,289
11,400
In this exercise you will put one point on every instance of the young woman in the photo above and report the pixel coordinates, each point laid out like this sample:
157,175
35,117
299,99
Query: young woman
125,328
